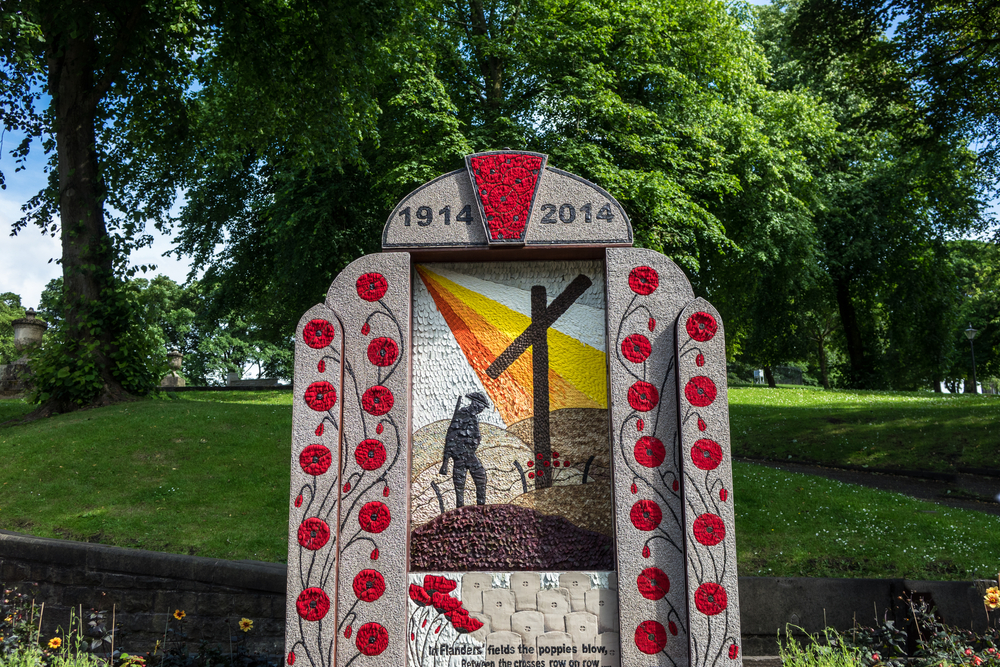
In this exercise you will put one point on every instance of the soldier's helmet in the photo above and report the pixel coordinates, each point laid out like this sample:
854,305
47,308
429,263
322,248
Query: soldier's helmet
478,400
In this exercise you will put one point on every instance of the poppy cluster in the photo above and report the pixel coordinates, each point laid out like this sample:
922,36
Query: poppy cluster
436,592
506,185
541,462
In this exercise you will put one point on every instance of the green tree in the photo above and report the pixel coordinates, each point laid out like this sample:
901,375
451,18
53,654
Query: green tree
10,310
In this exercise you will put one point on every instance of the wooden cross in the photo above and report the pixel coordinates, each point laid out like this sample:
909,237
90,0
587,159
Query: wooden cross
536,336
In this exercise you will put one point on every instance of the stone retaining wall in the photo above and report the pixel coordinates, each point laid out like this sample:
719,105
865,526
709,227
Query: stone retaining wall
146,587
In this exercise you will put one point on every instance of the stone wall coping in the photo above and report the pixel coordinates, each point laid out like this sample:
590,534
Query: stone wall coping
247,574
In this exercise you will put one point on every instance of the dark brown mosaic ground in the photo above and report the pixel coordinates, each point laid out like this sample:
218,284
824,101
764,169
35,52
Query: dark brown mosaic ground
506,538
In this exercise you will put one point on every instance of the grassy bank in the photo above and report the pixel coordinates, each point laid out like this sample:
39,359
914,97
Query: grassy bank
902,430
207,474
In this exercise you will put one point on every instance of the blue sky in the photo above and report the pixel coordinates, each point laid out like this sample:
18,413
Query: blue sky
25,268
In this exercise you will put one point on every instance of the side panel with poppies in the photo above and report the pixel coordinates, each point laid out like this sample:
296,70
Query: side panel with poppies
345,607
313,505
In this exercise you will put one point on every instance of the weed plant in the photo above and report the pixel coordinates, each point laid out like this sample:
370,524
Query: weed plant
811,651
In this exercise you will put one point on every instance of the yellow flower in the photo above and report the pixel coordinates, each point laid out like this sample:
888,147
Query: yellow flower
246,625
179,615
992,597
55,642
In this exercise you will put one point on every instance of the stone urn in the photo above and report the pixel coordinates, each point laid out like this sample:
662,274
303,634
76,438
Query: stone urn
28,332
173,379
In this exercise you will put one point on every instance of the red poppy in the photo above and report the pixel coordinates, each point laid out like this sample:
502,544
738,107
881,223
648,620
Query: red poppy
566,463
672,627
383,351
314,533
464,624
709,529
312,604
649,451
439,584
635,489
365,328
706,454
653,583
315,459
444,602
374,517
320,396
419,595
531,475
555,455
318,334
321,366
369,585
723,494
372,639
646,515
372,286
651,324
291,658
531,464
347,487
385,492
639,425
370,454
374,554
676,485
734,651
347,631
636,348
700,360
701,424
710,599
643,280
319,430
645,552
650,637
643,396
701,326
298,500
700,391
379,428
377,400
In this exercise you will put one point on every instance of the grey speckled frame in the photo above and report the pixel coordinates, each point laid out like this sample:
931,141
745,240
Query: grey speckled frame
669,434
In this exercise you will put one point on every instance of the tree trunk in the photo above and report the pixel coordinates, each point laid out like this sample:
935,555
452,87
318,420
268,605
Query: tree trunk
824,377
852,332
92,320
769,376
937,386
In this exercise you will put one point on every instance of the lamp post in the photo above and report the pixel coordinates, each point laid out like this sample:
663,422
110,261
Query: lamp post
970,333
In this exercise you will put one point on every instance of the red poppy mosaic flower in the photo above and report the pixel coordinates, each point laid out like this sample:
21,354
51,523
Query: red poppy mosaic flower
440,584
317,334
374,517
711,599
419,595
372,639
709,529
314,533
706,454
646,515
734,651
372,286
377,400
444,602
291,658
701,326
370,454
636,348
465,624
315,459
312,604
643,396
369,585
320,396
643,280
383,351
649,451
700,391
653,583
650,637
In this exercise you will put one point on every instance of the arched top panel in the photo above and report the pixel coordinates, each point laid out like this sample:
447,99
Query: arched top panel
504,199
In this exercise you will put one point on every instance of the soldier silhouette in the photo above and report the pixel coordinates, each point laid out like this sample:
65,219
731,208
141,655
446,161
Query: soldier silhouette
460,445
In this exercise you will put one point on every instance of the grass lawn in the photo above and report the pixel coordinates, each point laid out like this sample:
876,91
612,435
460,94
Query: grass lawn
903,430
207,473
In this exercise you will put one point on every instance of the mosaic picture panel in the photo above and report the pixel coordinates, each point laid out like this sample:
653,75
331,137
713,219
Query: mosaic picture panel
510,463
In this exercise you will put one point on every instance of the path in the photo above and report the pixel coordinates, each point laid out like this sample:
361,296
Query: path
971,492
